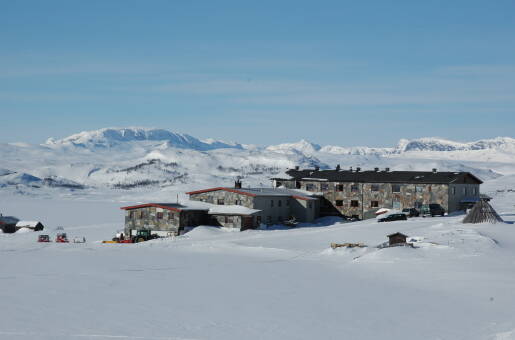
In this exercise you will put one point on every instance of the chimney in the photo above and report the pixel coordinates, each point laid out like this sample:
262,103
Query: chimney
358,169
237,184
435,170
376,169
350,169
387,169
297,167
338,167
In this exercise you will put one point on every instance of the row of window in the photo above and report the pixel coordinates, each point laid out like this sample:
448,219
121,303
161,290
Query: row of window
142,214
355,203
355,187
221,201
465,191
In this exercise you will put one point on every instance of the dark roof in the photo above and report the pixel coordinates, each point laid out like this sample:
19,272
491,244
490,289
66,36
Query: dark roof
422,177
168,206
397,234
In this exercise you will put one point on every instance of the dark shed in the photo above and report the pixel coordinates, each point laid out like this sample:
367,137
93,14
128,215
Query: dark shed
397,238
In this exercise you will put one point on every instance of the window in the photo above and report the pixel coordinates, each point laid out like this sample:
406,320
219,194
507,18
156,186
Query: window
374,204
258,220
310,187
419,188
464,191
237,202
288,203
324,187
171,215
272,203
309,205
396,188
354,204
159,215
269,219
474,191
354,188
339,187
374,187
279,203
226,219
220,201
454,191
339,203
131,214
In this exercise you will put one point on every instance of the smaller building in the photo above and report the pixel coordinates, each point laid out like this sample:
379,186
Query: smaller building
270,205
163,219
396,239
34,225
234,216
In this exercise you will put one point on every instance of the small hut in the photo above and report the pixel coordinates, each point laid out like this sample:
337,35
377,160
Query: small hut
34,225
396,239
482,212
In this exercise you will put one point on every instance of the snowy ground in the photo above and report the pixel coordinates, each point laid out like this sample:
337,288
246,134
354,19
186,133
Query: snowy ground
269,284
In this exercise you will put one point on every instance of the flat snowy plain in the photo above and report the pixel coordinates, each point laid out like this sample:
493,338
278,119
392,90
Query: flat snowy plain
458,283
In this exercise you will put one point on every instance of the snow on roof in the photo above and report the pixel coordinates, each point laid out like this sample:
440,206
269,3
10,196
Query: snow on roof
168,206
259,192
8,219
231,210
32,224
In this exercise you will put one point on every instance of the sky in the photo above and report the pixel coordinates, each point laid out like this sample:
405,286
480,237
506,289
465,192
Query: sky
259,72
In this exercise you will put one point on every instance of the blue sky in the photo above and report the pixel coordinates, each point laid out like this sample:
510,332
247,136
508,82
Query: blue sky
263,72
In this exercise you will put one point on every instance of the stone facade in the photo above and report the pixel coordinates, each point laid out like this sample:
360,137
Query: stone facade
163,221
362,200
228,198
274,208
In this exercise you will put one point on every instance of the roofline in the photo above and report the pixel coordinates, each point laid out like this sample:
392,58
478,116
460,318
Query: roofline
247,193
356,180
146,205
221,188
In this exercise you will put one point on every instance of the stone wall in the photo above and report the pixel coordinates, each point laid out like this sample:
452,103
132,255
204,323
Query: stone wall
369,197
171,221
230,198
227,221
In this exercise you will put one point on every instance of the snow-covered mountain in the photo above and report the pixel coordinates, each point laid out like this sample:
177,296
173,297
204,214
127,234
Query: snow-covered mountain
135,158
110,137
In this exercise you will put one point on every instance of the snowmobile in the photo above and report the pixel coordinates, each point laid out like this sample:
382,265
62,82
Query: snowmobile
61,238
43,238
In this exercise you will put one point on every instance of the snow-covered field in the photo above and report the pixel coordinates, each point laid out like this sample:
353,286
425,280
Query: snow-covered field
457,283
266,284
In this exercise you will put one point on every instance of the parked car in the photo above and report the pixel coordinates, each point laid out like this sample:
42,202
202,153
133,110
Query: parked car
432,209
393,217
411,212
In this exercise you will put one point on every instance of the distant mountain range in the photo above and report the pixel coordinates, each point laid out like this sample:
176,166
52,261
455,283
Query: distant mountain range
136,158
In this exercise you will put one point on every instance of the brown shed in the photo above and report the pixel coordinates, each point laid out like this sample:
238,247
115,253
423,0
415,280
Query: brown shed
397,238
